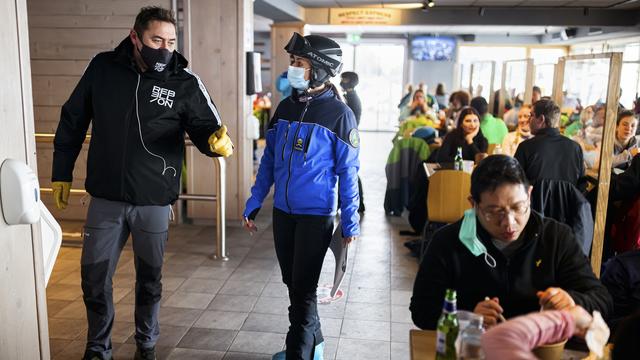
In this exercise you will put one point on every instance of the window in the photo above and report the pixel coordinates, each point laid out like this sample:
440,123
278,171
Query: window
547,55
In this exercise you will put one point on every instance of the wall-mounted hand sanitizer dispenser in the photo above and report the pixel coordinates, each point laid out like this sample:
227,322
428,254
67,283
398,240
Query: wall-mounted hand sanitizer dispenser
19,192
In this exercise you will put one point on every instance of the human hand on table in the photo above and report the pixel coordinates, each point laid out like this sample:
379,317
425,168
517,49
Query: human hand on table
581,318
490,310
555,299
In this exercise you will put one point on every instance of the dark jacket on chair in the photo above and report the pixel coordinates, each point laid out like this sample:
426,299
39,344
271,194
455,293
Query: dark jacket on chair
622,278
549,257
563,202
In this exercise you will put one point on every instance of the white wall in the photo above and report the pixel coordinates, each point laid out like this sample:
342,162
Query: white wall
432,73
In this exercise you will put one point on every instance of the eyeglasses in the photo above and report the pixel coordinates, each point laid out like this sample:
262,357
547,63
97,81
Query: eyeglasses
497,215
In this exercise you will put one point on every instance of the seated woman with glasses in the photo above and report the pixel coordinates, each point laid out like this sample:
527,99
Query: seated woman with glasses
503,258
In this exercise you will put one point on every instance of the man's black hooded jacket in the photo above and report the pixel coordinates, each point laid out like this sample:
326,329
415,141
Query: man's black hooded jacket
138,125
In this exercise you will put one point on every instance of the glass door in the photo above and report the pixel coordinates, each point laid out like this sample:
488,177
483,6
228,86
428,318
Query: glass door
380,68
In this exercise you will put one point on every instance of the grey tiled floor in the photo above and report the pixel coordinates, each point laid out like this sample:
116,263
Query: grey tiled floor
238,309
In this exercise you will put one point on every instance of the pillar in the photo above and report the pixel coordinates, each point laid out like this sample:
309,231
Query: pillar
217,34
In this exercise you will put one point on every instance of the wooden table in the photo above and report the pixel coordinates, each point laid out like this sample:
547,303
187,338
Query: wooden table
423,346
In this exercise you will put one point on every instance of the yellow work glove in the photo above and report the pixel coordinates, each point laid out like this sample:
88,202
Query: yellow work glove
220,142
61,190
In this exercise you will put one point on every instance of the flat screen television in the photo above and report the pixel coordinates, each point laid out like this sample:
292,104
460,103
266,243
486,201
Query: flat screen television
432,48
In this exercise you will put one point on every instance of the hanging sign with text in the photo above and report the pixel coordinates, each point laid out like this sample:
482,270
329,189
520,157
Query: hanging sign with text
364,16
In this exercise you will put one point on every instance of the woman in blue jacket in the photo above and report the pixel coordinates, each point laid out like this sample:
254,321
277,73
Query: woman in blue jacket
312,159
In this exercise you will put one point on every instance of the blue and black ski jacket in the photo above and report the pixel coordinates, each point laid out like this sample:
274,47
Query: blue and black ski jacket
312,156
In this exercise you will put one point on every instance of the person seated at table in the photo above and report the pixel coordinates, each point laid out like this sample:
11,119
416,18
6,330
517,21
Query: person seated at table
494,129
592,133
503,258
510,117
586,117
467,135
625,144
622,278
406,97
441,96
522,132
457,101
417,107
516,338
549,155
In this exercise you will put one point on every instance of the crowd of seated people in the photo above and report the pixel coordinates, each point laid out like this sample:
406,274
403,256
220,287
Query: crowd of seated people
506,259
509,263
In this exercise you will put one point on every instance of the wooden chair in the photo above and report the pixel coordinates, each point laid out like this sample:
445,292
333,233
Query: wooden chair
447,199
490,148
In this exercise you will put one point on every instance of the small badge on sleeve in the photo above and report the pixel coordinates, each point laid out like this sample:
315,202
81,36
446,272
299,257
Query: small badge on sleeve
354,137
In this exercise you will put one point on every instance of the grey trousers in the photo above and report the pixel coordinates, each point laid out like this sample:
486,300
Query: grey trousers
108,226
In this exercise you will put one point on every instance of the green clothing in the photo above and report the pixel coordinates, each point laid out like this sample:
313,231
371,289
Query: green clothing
573,128
494,129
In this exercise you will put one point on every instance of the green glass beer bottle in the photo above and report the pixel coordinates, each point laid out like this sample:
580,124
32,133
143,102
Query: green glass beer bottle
457,161
448,328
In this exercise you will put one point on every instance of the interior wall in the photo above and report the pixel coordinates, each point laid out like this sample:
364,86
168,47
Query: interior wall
64,36
432,73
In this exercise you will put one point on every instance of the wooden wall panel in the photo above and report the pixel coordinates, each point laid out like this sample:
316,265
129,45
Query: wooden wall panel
58,67
90,7
82,21
280,35
73,44
53,90
218,34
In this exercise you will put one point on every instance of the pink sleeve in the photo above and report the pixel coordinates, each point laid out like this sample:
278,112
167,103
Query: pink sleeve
515,338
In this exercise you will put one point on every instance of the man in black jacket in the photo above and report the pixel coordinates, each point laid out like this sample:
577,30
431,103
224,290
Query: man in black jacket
549,155
140,99
348,82
503,258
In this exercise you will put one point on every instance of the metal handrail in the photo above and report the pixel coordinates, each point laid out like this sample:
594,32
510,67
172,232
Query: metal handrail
220,197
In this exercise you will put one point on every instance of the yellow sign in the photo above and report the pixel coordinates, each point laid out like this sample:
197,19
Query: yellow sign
364,16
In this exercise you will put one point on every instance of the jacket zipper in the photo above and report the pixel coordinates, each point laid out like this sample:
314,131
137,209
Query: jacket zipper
306,148
286,135
126,134
286,188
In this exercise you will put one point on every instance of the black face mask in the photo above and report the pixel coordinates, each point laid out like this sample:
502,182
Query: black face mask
156,59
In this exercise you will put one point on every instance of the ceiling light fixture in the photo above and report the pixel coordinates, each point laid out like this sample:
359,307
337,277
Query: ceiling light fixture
406,6
427,4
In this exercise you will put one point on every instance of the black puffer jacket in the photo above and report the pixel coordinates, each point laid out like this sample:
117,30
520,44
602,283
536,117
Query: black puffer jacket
138,125
563,202
549,257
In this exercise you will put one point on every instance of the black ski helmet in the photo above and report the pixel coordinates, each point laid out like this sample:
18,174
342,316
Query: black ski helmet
325,56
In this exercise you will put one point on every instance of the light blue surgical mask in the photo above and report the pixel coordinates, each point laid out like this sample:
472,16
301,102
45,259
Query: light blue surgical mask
296,77
469,237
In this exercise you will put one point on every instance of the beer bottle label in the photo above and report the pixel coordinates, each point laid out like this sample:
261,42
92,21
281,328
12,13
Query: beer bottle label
441,343
449,307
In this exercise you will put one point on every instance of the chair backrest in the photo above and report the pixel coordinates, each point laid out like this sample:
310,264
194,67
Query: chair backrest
447,198
491,148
